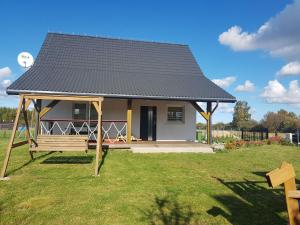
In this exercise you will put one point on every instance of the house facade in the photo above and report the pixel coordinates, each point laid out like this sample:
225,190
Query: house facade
153,120
150,90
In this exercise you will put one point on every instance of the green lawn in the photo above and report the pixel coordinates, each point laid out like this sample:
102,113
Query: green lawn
222,188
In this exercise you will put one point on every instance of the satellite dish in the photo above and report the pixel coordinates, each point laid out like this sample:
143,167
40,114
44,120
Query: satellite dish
25,59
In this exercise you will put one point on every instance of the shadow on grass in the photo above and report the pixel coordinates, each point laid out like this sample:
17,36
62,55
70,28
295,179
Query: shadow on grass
28,162
105,150
263,174
251,204
68,160
168,211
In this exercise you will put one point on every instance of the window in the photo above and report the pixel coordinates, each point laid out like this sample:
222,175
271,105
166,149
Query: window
175,114
79,111
93,113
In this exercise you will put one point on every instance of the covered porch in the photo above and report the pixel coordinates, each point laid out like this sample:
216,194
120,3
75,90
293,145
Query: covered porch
126,121
72,134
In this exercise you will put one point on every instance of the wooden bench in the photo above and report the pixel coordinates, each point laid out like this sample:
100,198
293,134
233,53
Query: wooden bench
60,143
286,175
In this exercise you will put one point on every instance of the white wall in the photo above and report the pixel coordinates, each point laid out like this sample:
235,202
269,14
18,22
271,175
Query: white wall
167,130
115,109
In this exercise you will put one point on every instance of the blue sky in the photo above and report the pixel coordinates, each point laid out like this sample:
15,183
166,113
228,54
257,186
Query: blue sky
224,36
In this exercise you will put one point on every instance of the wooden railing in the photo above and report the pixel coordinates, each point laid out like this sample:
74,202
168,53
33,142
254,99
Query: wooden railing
112,130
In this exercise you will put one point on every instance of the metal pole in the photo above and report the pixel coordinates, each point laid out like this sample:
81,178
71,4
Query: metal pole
298,137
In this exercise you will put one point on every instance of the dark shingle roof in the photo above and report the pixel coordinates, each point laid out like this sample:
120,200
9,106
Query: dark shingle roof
74,64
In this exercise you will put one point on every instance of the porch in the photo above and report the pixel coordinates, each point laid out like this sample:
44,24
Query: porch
114,136
172,121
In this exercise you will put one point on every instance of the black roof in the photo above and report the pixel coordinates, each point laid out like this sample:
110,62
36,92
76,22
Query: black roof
85,65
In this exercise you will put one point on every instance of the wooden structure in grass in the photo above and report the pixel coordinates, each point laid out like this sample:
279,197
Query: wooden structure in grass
208,118
52,142
286,175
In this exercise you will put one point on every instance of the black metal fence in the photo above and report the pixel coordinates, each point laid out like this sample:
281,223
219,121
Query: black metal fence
254,135
296,137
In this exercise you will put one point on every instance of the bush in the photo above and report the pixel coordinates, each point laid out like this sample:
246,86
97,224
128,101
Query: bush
286,142
241,143
274,140
231,145
223,139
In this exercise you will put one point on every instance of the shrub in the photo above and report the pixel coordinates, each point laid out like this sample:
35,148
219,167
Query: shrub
274,140
230,146
241,143
286,142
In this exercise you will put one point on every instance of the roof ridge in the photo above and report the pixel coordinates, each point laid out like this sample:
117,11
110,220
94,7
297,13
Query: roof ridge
114,38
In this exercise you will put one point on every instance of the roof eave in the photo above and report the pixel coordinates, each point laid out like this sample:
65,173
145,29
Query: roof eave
225,100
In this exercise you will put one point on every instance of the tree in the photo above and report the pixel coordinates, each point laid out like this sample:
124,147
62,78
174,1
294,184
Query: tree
241,115
7,115
281,121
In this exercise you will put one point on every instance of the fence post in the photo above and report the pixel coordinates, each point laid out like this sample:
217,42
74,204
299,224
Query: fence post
298,137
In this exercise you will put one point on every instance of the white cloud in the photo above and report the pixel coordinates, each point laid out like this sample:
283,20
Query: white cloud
225,108
6,83
5,72
3,85
237,40
275,92
292,68
248,86
222,107
279,36
225,82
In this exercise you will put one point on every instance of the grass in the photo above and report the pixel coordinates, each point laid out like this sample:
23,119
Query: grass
223,188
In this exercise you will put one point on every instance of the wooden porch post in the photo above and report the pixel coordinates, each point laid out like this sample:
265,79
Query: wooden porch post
129,120
209,123
207,116
9,147
99,137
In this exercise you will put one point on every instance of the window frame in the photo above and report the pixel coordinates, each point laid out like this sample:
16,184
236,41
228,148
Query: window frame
182,120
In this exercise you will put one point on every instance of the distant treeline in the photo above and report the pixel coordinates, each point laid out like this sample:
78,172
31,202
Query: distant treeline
280,121
8,115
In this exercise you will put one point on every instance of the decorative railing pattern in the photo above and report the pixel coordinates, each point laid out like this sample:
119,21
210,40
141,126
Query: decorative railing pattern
112,130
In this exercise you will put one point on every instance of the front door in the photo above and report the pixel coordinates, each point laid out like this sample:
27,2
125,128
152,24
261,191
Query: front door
148,123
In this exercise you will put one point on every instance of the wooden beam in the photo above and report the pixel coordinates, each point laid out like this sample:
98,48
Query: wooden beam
209,123
38,107
281,175
286,175
129,121
96,105
197,107
47,108
19,144
216,106
27,132
292,203
294,194
200,110
207,116
63,97
27,104
10,143
99,138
